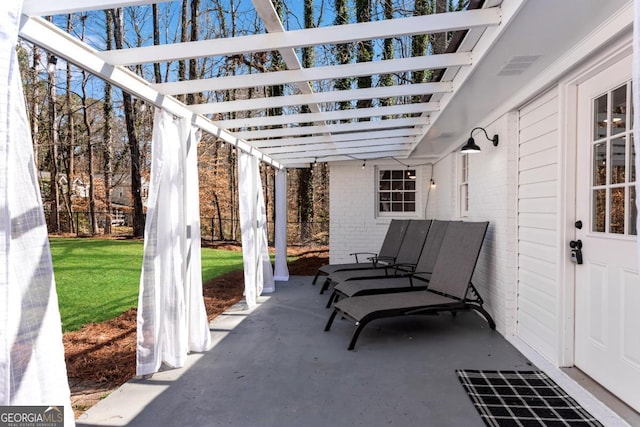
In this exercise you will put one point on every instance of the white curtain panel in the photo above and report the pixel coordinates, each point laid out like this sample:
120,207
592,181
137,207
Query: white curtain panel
636,101
162,325
199,334
258,273
32,367
281,271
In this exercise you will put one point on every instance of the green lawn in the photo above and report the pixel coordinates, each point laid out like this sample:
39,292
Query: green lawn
98,279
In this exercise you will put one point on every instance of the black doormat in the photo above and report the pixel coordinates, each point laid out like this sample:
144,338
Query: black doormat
522,398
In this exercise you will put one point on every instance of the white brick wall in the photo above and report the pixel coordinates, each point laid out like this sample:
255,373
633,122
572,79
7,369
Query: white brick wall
354,226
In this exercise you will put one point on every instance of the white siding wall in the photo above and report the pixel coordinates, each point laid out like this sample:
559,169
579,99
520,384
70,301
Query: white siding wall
537,224
354,226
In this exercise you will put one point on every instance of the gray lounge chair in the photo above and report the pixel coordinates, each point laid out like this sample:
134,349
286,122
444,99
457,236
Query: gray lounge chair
411,281
386,255
450,288
406,260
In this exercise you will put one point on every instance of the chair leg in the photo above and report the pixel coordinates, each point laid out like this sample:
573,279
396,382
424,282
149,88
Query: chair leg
332,299
486,316
315,279
330,321
356,334
325,286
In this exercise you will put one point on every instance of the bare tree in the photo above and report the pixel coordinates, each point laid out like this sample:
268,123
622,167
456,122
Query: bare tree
71,141
107,131
388,52
364,50
53,145
134,147
343,50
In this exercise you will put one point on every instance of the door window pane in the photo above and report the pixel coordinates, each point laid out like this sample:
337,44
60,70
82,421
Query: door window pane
599,210
599,164
619,110
618,160
616,220
600,117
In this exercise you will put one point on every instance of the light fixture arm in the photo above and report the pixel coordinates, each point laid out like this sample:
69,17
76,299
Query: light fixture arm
494,139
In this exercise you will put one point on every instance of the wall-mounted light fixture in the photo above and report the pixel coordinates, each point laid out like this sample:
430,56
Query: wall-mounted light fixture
472,147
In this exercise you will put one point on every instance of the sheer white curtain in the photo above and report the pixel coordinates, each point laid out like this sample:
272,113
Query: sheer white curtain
281,271
32,367
199,334
258,273
171,316
636,100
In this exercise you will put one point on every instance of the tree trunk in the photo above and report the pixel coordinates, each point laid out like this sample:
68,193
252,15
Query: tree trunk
134,147
365,51
388,53
419,45
53,150
71,142
194,98
35,108
343,51
107,132
156,41
184,22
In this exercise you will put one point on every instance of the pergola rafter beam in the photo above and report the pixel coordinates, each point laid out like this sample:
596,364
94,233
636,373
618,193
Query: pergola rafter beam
355,113
336,96
338,138
352,150
427,24
334,128
311,148
304,75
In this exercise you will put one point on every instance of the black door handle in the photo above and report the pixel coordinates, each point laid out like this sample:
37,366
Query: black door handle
576,251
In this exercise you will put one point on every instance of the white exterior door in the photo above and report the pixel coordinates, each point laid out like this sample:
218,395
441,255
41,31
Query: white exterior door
607,288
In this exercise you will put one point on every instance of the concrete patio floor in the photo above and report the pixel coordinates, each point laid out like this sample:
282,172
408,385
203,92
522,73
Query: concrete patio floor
275,366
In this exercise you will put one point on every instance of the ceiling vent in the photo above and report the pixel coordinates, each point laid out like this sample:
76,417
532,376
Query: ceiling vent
518,65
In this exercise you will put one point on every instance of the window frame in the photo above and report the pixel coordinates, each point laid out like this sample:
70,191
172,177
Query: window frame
417,191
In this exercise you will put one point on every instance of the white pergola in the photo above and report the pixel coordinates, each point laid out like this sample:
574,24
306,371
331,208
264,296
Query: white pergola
324,134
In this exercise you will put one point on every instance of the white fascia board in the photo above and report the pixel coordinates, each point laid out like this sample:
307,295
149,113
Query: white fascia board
346,146
355,113
58,7
338,138
56,41
426,24
333,128
321,97
318,73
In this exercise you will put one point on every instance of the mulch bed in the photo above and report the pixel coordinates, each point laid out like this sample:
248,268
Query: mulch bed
102,356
